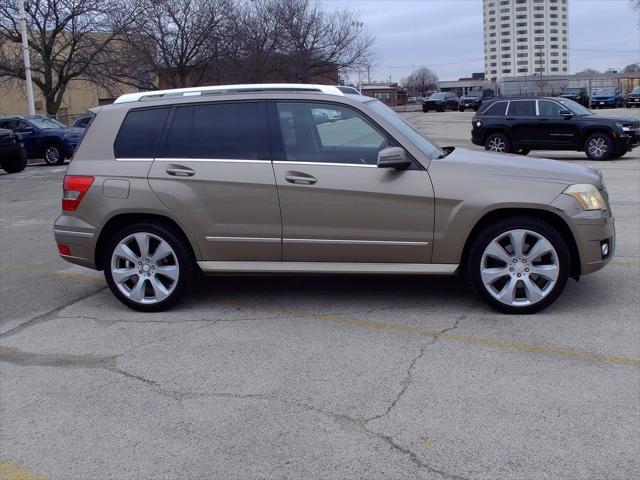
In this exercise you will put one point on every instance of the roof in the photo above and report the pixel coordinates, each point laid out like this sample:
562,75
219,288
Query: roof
215,89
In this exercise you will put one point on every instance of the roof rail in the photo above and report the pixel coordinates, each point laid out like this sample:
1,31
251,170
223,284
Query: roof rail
220,89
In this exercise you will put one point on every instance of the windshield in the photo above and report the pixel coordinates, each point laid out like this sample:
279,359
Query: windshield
606,91
420,140
636,90
437,96
45,123
575,107
474,93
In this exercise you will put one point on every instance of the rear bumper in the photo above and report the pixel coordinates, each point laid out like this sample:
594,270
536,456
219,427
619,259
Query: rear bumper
79,236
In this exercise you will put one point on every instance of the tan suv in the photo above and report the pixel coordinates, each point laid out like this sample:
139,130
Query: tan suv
305,179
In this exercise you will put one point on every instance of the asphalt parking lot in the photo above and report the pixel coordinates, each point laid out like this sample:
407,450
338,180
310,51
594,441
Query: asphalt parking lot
315,377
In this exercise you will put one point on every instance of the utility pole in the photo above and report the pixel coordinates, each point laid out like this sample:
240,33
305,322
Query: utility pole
25,55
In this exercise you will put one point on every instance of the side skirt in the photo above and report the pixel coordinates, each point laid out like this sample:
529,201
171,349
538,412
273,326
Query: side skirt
329,267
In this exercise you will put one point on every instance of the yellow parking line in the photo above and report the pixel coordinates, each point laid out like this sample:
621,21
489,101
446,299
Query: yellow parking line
9,471
453,337
395,328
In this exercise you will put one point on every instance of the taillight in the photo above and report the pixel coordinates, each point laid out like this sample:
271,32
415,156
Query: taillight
74,188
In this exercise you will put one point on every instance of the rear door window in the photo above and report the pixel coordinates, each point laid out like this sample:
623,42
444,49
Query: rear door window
522,108
230,131
497,108
140,133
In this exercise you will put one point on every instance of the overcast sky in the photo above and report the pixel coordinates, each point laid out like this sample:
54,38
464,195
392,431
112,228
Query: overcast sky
446,35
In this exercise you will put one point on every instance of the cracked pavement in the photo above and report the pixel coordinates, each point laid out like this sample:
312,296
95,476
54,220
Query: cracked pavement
314,377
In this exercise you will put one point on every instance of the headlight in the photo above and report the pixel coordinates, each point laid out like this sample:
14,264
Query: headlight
587,195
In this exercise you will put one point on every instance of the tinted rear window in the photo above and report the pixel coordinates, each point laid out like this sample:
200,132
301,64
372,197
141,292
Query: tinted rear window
236,131
497,108
140,132
523,108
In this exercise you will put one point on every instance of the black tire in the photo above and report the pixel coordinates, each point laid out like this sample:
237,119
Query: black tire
522,151
424,110
16,164
605,146
491,232
497,138
183,257
52,154
461,109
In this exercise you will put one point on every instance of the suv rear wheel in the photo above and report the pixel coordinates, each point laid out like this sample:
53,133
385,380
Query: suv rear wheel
519,265
148,267
497,142
598,146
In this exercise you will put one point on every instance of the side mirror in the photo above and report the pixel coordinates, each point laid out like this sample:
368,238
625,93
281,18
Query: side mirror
393,157
566,114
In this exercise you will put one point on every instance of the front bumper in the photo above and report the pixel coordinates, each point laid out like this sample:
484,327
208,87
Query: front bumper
591,229
627,140
602,102
632,101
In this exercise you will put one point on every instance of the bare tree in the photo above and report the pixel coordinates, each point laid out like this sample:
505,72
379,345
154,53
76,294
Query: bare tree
175,43
632,68
588,71
421,80
315,39
67,40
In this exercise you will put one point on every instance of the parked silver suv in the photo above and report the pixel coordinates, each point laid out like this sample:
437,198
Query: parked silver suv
305,179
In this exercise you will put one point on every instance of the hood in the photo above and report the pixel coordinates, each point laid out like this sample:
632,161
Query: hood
604,95
68,131
475,99
521,167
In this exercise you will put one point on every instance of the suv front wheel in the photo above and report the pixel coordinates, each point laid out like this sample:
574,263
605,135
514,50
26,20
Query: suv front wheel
52,154
519,265
148,267
598,146
497,142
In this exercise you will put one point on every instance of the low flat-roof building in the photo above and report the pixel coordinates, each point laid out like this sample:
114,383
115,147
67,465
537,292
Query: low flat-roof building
385,92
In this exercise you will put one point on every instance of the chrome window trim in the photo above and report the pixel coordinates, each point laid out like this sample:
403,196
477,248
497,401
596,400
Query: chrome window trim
326,164
213,160
134,159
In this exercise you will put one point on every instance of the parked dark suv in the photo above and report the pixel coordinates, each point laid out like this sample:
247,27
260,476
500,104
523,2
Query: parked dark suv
577,94
520,125
441,101
474,98
13,158
633,98
44,137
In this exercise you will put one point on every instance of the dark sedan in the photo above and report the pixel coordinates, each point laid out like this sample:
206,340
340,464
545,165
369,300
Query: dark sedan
440,101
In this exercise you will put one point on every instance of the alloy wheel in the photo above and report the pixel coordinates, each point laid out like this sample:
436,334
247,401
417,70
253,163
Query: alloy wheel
145,268
519,267
52,155
496,144
598,147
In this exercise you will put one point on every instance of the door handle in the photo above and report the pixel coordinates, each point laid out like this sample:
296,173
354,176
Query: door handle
177,171
300,178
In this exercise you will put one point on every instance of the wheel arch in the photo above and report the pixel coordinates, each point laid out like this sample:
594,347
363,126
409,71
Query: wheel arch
120,221
551,218
591,130
497,129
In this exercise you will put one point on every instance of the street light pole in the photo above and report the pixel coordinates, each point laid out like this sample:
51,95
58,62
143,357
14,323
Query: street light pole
25,55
